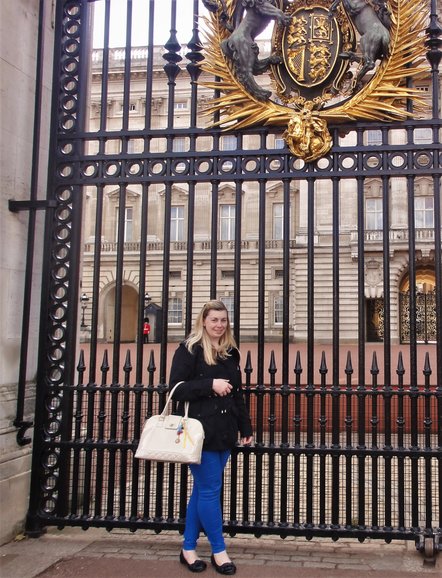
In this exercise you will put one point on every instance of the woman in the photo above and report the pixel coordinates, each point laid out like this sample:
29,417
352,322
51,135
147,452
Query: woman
207,363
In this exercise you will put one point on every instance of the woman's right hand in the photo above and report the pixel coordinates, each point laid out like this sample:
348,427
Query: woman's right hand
221,387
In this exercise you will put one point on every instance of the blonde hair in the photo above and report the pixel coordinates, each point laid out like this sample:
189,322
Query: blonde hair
199,335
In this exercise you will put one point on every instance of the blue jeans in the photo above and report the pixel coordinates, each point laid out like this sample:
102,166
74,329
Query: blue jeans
204,507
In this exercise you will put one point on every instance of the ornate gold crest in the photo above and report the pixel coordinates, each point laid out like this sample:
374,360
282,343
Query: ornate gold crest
330,61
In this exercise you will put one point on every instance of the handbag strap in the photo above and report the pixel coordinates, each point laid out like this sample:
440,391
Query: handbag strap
169,399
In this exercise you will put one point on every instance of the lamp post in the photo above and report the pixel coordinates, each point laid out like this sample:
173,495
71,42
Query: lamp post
84,301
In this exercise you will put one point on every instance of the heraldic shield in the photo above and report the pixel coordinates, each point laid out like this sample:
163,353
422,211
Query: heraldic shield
311,46
330,61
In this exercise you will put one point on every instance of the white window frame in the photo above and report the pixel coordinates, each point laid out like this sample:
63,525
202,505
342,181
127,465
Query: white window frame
278,221
177,223
229,142
175,311
424,214
278,309
128,224
227,216
229,302
373,214
179,144
374,137
423,135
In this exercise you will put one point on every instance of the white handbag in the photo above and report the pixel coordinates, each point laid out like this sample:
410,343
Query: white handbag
171,438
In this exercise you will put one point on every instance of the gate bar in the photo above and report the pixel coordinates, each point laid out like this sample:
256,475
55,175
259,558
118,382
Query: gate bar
21,424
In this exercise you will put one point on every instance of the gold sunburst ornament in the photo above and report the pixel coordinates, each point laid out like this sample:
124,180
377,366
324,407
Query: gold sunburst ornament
329,61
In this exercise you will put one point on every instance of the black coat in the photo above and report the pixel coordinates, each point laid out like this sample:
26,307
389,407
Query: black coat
222,417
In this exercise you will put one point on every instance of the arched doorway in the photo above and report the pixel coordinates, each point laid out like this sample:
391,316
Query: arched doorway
425,306
128,314
374,309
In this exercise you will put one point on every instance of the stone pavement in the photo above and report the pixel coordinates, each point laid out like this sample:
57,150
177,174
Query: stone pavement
96,553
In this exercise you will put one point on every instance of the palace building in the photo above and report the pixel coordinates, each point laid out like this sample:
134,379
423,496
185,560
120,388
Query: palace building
108,114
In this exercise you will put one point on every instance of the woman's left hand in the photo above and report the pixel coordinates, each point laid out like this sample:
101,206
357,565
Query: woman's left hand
246,441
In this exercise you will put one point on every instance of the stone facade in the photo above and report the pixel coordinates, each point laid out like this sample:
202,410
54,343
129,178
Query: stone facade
18,42
250,195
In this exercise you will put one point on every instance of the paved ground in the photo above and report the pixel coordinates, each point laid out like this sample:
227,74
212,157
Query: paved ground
95,553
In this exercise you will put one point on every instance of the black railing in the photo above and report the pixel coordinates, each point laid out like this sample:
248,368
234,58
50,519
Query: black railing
347,442
339,460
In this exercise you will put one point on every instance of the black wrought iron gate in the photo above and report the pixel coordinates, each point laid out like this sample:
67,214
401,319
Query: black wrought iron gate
152,214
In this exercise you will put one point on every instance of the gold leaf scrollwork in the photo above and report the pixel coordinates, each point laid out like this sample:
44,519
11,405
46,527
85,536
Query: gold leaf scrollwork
383,97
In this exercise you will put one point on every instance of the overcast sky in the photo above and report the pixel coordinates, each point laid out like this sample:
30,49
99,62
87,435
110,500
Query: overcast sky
140,22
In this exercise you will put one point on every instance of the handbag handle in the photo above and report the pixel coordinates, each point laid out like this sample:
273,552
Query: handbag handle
169,399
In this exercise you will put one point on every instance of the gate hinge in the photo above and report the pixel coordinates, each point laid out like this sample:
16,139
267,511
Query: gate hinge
16,206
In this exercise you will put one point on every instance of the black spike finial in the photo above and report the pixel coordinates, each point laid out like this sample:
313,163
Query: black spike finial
298,366
349,364
248,369
323,369
374,365
272,366
127,367
81,364
105,363
427,365
400,365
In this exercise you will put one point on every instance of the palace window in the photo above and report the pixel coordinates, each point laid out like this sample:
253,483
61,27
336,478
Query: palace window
423,135
175,313
179,144
373,214
228,302
374,137
424,212
128,224
135,145
228,143
177,223
278,307
227,222
278,221
227,274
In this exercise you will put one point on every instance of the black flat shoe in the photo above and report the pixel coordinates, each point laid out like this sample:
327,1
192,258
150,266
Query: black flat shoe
197,566
228,568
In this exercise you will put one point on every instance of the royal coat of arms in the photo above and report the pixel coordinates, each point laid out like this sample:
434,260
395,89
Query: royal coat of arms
330,61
